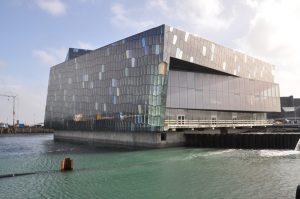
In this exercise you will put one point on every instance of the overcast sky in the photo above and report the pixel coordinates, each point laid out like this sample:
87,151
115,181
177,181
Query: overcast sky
35,35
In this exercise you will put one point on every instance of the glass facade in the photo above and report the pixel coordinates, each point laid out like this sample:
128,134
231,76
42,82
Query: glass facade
118,87
124,86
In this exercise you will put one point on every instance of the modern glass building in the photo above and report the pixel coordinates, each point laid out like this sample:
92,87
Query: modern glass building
141,83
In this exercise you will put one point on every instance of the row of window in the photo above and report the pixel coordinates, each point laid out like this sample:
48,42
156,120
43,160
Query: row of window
209,54
222,83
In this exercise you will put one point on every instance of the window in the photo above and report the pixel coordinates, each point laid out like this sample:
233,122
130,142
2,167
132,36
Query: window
146,50
157,49
163,136
213,120
180,119
234,118
224,66
162,68
191,59
143,42
133,62
174,39
140,109
213,48
128,54
114,83
178,53
114,99
126,72
204,51
85,77
186,36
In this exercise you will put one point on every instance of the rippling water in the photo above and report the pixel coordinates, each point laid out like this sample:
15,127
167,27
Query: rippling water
161,173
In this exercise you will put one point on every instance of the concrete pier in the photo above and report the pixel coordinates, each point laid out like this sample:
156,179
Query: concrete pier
123,139
243,140
237,138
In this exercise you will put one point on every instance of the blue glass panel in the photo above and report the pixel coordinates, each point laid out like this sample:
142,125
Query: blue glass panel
146,50
143,42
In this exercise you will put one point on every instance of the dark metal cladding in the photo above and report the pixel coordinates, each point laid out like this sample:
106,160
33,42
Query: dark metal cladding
75,52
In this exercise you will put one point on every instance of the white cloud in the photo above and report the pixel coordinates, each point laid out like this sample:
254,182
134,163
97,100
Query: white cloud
274,36
53,7
201,13
51,56
122,18
252,3
199,16
86,45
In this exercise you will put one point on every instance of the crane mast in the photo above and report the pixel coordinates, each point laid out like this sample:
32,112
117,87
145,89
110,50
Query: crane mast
14,101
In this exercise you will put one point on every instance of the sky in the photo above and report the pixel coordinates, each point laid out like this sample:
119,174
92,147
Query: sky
36,34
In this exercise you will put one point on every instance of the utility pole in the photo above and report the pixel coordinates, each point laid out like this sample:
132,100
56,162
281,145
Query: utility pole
14,101
294,110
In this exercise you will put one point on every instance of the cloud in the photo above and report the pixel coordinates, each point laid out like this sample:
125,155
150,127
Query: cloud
197,15
53,7
51,56
201,13
86,45
274,36
122,18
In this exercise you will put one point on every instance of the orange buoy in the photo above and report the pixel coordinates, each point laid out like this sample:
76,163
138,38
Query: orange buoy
66,164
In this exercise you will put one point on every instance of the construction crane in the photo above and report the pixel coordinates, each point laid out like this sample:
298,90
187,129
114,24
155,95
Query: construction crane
14,101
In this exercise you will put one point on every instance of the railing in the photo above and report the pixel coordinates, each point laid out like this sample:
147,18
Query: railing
193,124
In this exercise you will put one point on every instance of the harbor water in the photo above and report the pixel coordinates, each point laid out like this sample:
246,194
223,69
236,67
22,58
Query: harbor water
158,173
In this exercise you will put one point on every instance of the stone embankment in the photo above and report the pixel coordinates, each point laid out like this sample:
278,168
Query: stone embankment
24,130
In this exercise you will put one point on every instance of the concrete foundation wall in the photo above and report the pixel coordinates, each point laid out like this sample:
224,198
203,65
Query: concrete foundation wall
244,140
123,139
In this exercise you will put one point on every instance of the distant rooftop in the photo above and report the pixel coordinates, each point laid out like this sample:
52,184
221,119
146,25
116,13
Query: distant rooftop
76,52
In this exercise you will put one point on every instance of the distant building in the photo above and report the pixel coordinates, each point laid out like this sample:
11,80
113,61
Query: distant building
290,110
3,125
157,80
76,52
